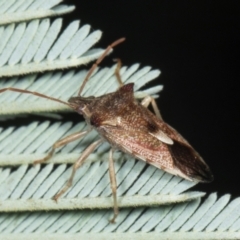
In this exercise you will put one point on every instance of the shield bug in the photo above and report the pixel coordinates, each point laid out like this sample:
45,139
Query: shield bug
128,125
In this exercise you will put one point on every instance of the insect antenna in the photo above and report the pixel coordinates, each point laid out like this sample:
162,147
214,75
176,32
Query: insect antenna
33,93
99,60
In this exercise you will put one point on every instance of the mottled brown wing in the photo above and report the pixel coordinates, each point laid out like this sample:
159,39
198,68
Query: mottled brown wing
131,127
138,144
157,126
178,159
184,157
188,161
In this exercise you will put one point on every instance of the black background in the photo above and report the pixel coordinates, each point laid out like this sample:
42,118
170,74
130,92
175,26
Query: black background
195,44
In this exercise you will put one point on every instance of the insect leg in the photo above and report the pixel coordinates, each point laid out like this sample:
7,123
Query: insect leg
117,71
76,165
99,60
113,182
147,100
62,142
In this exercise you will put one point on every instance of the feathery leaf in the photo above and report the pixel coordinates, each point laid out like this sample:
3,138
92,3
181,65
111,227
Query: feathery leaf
24,10
37,46
31,47
37,185
63,86
181,221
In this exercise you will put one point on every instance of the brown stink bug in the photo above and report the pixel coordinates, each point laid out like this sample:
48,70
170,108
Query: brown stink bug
129,126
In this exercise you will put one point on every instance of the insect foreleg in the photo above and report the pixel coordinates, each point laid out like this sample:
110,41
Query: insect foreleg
113,182
147,100
62,142
78,164
99,60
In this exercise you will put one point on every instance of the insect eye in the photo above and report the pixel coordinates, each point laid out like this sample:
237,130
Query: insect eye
95,120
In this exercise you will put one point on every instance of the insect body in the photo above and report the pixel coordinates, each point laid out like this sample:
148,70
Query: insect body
129,126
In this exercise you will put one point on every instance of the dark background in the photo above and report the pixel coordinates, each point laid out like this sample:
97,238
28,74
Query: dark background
196,46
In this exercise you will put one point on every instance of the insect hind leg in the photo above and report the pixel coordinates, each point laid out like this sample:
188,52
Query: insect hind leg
150,100
113,182
77,165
